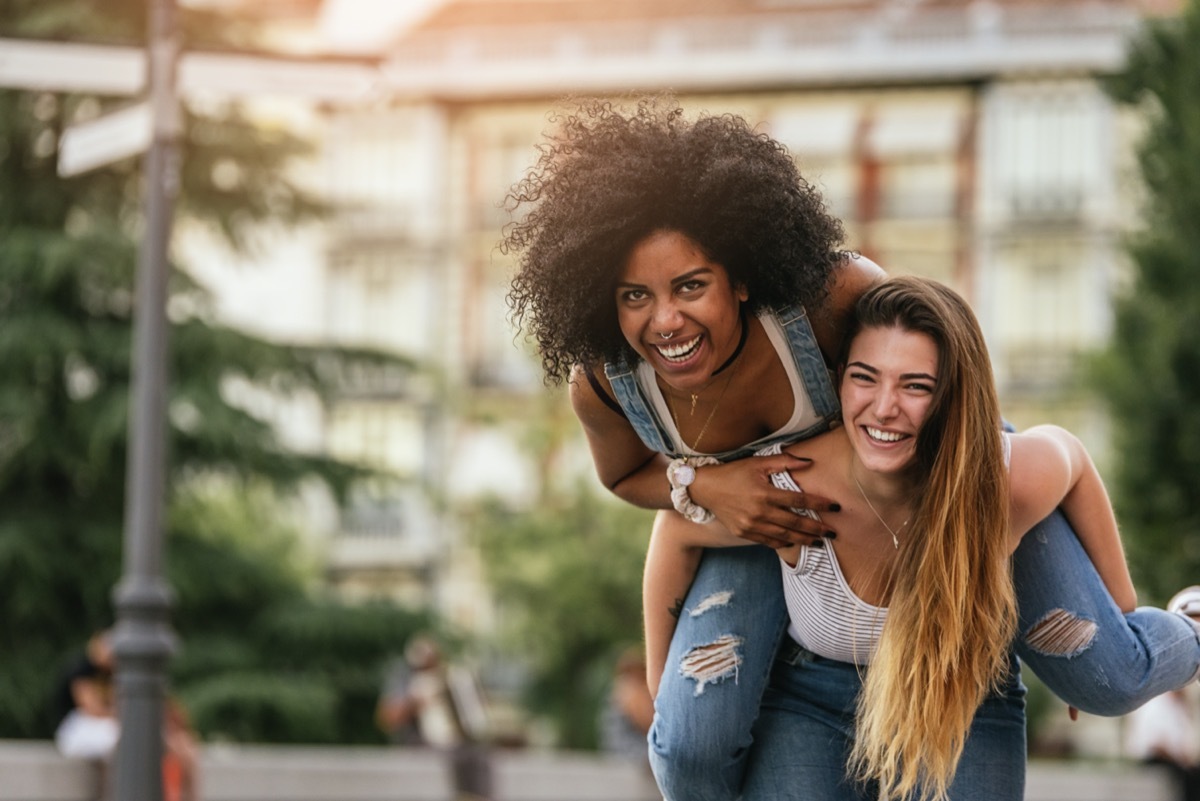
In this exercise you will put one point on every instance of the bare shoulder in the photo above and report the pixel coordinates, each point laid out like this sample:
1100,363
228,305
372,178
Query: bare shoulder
584,387
1039,474
854,276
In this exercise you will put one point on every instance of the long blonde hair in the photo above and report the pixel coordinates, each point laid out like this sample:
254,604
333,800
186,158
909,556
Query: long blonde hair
952,611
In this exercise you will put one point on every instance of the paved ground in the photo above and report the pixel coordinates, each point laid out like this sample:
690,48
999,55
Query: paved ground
33,771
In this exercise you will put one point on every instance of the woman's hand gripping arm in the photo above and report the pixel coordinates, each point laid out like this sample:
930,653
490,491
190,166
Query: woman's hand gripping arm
739,493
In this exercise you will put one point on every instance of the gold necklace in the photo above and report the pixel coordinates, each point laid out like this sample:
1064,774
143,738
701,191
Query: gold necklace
695,446
695,397
879,517
733,357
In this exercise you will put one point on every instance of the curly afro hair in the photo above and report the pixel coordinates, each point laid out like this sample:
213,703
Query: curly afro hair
605,179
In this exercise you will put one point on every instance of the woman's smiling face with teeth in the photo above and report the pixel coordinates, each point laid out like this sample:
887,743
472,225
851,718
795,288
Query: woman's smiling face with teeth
887,389
668,286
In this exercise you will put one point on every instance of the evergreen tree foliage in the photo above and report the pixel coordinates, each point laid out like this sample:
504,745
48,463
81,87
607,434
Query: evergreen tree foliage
1150,375
68,249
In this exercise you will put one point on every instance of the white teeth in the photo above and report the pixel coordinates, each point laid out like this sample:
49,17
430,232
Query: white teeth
680,350
883,436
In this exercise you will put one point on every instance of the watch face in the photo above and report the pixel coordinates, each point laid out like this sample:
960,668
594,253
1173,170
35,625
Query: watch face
685,474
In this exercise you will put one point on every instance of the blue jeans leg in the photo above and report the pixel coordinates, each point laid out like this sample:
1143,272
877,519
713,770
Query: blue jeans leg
1073,636
993,762
717,670
803,737
803,734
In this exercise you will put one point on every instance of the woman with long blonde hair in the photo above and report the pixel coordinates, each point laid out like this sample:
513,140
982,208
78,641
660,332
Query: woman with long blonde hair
951,606
898,679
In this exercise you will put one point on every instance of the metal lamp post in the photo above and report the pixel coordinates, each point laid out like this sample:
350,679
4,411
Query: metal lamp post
143,640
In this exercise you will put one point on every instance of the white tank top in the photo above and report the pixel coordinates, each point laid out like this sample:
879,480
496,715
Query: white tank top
803,416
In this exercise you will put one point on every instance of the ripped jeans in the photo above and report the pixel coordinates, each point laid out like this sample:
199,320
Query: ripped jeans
1071,635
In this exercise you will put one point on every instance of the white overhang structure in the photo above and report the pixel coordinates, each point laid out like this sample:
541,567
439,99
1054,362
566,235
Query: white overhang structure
787,45
121,71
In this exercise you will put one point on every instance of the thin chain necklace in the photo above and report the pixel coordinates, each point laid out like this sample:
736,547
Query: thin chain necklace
737,351
879,517
696,397
695,446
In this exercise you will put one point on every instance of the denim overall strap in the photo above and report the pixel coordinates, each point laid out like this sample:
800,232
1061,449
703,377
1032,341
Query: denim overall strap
809,361
810,364
622,376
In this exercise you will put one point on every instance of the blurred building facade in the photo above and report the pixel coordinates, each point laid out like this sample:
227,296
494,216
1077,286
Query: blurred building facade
968,140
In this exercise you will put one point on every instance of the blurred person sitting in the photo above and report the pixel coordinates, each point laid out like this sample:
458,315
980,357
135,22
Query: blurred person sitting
85,708
439,706
1163,732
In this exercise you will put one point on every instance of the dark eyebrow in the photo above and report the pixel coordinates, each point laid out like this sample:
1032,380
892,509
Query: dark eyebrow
903,376
688,276
863,366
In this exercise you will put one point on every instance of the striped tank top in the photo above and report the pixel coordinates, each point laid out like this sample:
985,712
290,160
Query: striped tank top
826,617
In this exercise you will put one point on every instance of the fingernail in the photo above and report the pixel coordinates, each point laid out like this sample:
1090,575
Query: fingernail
830,535
835,507
817,544
802,458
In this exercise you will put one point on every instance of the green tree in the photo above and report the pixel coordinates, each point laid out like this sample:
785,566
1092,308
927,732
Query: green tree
567,578
265,657
1150,374
67,253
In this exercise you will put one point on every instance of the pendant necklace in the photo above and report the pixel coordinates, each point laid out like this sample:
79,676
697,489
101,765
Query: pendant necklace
695,446
879,517
737,351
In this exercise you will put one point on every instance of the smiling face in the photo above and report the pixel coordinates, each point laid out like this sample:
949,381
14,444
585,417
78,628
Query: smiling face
887,390
669,287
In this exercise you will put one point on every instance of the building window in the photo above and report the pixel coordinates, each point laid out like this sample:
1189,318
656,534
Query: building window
386,435
500,356
384,171
1047,150
374,509
382,297
919,188
916,146
1044,313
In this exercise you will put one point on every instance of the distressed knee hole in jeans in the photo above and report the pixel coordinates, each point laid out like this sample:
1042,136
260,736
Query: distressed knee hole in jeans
1061,633
712,662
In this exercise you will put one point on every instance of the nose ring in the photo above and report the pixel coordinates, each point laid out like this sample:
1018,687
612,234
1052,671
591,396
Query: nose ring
666,336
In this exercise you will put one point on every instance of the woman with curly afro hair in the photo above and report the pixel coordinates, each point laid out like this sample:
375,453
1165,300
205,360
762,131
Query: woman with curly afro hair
689,285
608,181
